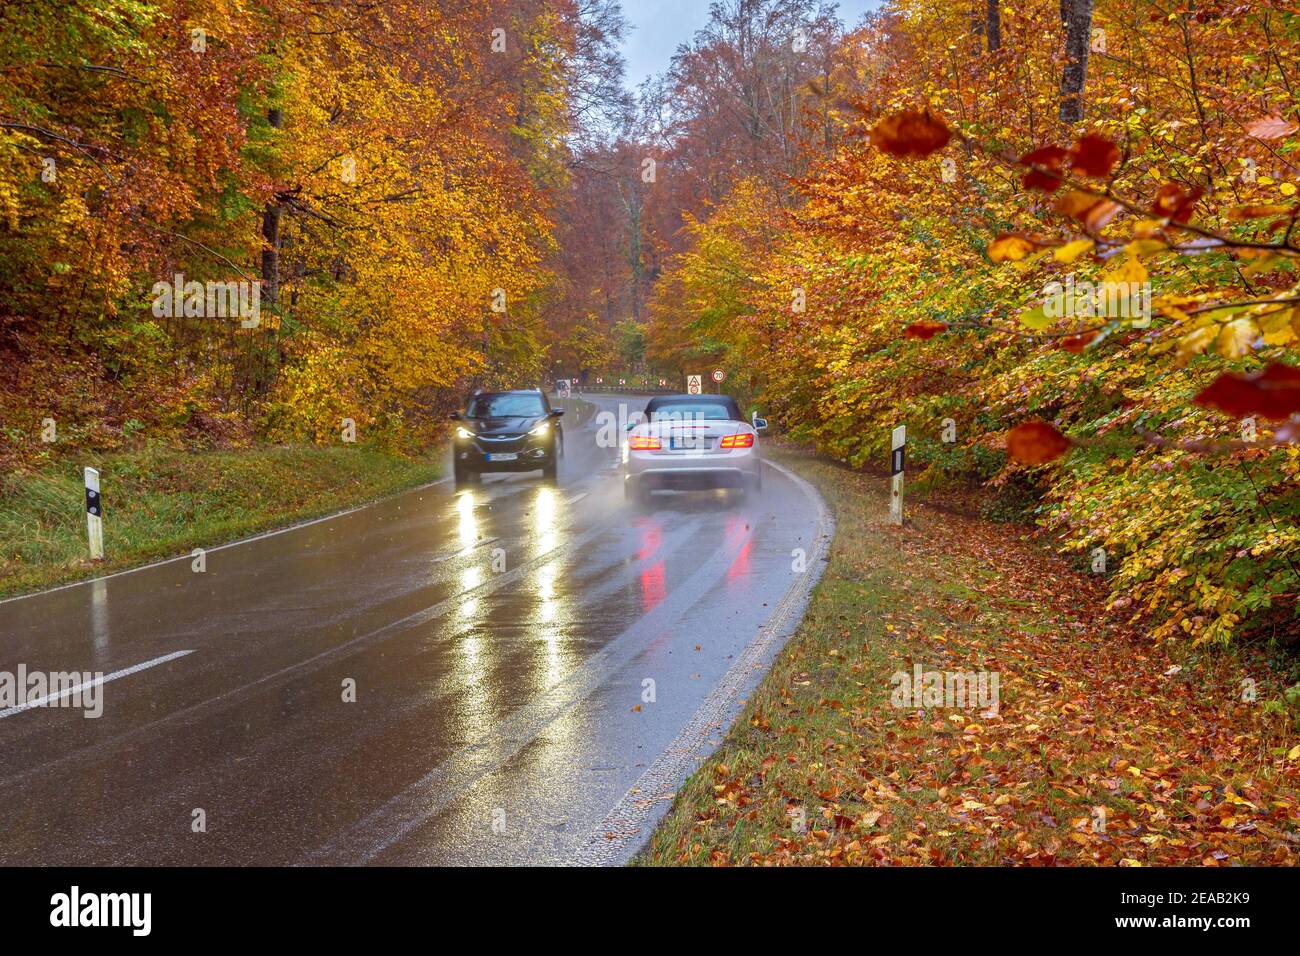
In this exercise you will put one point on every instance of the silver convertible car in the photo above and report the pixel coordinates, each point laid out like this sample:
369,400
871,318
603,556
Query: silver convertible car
690,442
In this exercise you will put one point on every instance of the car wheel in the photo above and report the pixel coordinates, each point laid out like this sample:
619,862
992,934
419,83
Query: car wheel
463,474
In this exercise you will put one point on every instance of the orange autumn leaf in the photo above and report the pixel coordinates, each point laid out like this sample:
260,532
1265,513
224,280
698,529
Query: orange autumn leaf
1036,443
1271,127
1075,344
911,134
1009,248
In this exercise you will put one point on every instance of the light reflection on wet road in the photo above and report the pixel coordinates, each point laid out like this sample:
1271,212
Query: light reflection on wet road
500,640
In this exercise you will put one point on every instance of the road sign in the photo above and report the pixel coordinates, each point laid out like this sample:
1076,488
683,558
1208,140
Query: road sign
622,381
599,380
663,383
899,453
694,384
94,516
718,375
562,388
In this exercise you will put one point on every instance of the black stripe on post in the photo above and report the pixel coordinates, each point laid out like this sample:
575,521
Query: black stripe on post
92,502
896,463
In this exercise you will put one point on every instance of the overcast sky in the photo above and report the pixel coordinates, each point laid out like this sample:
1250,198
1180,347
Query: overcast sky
660,26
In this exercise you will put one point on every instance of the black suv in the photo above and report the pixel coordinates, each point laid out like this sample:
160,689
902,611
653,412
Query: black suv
507,431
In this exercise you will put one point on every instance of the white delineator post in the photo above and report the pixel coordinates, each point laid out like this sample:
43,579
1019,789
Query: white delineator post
94,516
898,446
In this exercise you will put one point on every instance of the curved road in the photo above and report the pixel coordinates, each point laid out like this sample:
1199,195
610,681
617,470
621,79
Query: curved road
504,645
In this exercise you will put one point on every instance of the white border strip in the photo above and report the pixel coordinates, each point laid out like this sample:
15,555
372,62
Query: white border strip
222,547
629,824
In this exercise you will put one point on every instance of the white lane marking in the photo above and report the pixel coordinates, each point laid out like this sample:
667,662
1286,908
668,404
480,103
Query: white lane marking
575,499
125,672
222,547
463,551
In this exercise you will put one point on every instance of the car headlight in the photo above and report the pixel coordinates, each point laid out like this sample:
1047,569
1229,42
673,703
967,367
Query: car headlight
540,429
464,433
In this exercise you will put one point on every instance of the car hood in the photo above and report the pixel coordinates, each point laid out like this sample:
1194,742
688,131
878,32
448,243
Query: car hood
512,425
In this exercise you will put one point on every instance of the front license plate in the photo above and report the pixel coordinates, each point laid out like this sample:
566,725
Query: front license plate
503,456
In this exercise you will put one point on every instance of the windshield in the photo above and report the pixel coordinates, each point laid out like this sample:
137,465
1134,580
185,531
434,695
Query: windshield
701,410
506,406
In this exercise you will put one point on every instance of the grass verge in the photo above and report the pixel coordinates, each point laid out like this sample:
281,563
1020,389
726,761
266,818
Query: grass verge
163,501
1105,749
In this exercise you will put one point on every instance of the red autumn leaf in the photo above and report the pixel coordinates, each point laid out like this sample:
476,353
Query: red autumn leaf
1273,393
1036,443
1049,159
911,133
1271,127
1078,342
925,330
1093,211
1094,156
1174,201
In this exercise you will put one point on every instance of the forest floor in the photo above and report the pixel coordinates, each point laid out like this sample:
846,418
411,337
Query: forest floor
162,502
1105,748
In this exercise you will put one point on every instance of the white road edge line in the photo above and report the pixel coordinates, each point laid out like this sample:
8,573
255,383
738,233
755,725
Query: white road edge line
630,822
221,547
125,672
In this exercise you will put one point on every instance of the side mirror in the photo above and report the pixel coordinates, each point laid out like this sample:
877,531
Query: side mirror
454,416
556,412
630,426
760,424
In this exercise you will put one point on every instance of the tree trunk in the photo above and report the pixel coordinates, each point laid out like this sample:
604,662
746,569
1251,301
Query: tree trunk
1076,16
271,235
993,26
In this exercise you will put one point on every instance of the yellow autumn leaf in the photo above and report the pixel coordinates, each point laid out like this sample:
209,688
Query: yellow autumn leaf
1072,250
1009,248
1130,270
1236,337
1279,328
1195,342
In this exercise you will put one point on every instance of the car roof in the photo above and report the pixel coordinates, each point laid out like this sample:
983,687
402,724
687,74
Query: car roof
661,401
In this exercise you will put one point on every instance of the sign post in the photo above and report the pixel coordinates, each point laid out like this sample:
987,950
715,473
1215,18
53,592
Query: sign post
94,516
899,447
694,384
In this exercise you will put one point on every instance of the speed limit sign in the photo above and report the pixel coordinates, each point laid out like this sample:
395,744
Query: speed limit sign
718,375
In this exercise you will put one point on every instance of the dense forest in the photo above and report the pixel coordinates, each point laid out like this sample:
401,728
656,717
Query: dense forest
1055,239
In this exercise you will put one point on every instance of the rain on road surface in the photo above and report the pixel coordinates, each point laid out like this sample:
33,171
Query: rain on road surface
495,718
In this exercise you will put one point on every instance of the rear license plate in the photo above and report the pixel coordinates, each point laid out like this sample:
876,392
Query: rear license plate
503,456
688,444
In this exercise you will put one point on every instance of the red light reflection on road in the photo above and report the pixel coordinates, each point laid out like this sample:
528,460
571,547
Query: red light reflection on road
652,586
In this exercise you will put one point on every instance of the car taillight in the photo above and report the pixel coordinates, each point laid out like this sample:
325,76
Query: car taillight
638,443
745,440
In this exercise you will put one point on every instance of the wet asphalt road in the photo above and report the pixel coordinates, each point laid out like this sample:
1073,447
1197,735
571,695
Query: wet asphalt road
496,714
